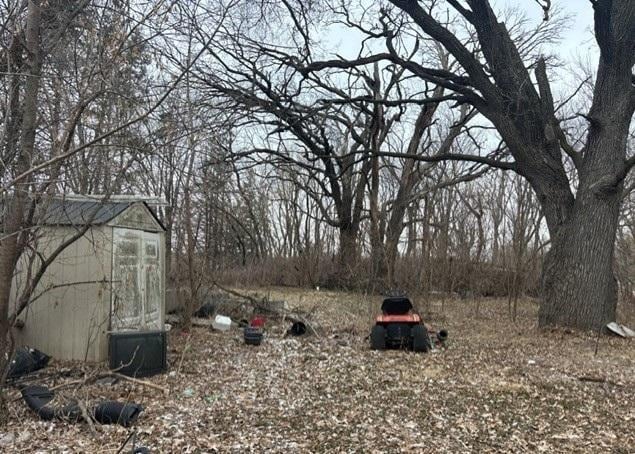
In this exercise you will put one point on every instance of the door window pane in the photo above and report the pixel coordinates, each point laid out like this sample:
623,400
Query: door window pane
127,285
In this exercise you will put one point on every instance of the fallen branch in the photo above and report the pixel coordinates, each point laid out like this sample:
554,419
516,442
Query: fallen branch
71,383
264,306
588,378
244,296
148,384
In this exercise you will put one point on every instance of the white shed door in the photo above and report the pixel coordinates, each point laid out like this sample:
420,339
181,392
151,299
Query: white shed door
137,277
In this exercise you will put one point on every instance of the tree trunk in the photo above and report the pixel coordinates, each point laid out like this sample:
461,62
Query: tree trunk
393,234
347,256
9,244
378,262
5,354
579,288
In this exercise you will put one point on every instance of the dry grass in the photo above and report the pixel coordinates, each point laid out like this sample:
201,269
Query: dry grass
499,387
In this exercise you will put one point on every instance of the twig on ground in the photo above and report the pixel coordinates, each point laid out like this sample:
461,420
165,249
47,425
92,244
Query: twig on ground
130,435
591,379
88,418
165,390
185,349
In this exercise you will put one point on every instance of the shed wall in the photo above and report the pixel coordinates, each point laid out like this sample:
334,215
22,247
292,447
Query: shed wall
70,320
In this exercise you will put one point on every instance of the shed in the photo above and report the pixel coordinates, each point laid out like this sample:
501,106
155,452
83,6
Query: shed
109,281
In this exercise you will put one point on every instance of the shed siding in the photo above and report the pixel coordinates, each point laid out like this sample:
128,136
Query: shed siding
70,322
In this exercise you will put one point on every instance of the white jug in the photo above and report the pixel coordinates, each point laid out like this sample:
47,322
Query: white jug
222,323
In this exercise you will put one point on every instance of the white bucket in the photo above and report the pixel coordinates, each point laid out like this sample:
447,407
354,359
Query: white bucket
222,323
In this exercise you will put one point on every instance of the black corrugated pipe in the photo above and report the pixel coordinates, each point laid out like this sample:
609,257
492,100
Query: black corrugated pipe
38,399
442,335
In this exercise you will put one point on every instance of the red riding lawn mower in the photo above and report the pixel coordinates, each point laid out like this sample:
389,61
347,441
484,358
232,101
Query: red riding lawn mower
399,326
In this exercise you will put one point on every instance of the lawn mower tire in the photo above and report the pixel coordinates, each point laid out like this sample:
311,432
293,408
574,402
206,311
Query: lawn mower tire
420,339
378,338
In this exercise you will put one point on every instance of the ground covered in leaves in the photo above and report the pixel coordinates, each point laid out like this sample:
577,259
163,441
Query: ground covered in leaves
498,387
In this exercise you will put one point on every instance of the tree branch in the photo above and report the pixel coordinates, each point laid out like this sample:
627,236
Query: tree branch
155,106
454,157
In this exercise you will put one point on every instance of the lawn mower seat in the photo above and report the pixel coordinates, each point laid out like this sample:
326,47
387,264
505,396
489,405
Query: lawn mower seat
396,306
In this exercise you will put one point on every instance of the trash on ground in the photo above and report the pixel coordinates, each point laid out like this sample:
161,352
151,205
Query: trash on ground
258,321
297,329
48,406
222,323
441,337
40,399
114,412
205,311
620,330
27,360
253,335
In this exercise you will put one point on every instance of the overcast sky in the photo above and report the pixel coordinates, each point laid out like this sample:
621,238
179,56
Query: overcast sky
578,40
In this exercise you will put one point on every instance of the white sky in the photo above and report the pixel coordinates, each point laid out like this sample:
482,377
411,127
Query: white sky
578,40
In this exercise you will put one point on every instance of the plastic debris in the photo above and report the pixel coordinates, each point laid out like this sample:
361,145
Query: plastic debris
27,360
222,323
42,401
620,330
297,329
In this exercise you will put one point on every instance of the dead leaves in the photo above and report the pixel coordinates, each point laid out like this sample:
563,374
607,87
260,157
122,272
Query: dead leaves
483,394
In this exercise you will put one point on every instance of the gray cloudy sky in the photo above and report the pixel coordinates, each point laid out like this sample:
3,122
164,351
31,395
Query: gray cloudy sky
578,40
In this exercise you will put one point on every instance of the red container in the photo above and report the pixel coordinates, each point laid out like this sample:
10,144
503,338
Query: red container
257,322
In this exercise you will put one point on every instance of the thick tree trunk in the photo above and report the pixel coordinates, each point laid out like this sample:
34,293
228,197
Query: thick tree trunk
377,222
579,286
391,254
580,289
347,256
379,277
8,255
5,353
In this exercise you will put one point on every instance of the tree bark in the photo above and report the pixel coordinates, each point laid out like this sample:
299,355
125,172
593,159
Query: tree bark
9,243
347,255
579,288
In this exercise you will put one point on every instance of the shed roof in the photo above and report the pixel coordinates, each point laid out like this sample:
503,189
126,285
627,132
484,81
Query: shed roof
70,212
80,212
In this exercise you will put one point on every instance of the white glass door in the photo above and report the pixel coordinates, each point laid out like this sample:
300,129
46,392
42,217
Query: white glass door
137,280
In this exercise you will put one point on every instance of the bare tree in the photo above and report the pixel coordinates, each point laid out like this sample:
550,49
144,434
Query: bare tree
42,135
579,287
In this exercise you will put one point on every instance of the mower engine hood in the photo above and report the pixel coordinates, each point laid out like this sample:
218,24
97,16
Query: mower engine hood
398,318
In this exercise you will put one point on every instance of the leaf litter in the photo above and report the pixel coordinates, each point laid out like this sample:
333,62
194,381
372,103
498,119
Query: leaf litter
518,389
